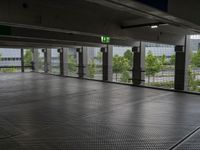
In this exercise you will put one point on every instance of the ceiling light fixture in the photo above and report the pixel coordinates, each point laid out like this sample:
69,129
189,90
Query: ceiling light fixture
154,26
195,37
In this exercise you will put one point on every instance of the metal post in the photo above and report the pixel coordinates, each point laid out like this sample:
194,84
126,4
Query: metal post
180,67
22,60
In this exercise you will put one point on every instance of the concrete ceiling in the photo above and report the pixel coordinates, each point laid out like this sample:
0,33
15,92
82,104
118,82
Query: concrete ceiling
65,22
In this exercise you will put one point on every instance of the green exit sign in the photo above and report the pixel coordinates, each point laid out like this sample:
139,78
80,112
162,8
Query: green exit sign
105,39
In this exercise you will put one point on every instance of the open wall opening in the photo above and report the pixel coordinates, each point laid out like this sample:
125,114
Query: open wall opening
122,63
55,61
194,64
72,62
28,60
10,60
40,60
94,63
159,65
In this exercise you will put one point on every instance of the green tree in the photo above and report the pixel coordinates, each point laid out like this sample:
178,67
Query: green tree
172,60
120,64
71,63
192,80
163,60
129,56
91,68
152,65
27,57
99,57
125,77
196,59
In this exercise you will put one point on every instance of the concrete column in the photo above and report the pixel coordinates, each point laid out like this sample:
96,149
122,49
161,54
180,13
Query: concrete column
80,63
61,58
22,60
85,61
110,57
104,63
82,59
142,61
138,76
35,60
107,53
47,60
65,64
180,67
188,53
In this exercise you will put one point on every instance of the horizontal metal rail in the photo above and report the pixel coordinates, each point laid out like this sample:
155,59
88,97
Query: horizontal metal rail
2,67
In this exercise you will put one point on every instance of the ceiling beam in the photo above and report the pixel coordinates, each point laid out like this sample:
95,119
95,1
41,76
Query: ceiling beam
140,9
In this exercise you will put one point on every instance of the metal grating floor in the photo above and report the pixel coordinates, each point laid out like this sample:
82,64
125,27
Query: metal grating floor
39,112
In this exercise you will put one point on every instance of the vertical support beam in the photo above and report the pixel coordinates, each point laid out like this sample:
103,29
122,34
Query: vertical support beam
35,60
65,64
136,71
138,64
110,57
22,60
142,61
60,51
188,53
47,60
107,53
85,60
180,67
82,59
105,63
80,63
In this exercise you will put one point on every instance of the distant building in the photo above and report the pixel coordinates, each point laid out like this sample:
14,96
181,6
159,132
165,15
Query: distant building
195,44
10,57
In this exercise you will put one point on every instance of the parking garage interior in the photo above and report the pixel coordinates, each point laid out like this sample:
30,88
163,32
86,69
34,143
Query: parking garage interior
99,75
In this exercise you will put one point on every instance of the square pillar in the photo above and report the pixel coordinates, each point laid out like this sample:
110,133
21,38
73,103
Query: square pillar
110,57
82,61
35,60
107,53
188,52
47,60
105,63
180,67
65,64
138,64
22,60
85,60
61,57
